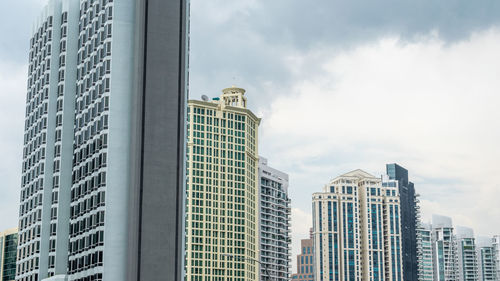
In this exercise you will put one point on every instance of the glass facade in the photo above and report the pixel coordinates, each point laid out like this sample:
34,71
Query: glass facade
8,254
408,220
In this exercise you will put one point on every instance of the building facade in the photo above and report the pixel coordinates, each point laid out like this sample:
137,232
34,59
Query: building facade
466,260
222,210
87,138
454,253
356,229
496,252
443,249
305,264
486,259
408,220
424,252
274,223
8,253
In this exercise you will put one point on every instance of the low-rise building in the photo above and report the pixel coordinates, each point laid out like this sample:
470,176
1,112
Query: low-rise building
305,268
8,254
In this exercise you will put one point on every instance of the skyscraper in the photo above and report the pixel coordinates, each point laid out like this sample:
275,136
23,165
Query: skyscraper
424,252
496,252
104,133
443,249
222,212
356,229
8,253
408,220
305,265
465,245
274,223
486,260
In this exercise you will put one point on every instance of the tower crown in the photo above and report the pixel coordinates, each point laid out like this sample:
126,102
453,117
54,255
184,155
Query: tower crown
234,96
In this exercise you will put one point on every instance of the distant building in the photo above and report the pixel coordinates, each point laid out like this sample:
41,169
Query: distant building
274,223
486,259
408,220
443,249
8,253
496,252
456,254
356,229
424,252
465,245
305,266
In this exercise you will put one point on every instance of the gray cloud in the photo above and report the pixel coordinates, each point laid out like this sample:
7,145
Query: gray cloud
245,43
428,105
12,96
16,23
271,48
339,22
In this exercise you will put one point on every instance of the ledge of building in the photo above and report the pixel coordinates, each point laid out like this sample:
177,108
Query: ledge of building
56,278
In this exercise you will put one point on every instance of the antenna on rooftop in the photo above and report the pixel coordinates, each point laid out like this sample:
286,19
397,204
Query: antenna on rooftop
204,97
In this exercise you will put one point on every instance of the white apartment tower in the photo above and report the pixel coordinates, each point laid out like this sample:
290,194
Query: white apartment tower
222,210
66,155
454,254
466,260
82,140
496,252
443,249
274,224
486,259
424,252
356,229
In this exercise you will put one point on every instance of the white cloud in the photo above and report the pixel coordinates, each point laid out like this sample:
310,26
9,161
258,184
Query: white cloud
301,223
12,97
431,106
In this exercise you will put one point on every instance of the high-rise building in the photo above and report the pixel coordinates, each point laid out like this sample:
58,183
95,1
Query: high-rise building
274,223
443,249
466,261
408,220
305,265
356,229
424,252
104,142
8,253
486,259
456,253
496,252
222,210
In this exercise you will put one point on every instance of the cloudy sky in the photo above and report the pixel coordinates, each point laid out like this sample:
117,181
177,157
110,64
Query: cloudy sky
340,85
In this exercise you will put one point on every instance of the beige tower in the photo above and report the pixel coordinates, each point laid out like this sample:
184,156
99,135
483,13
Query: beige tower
357,229
222,189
